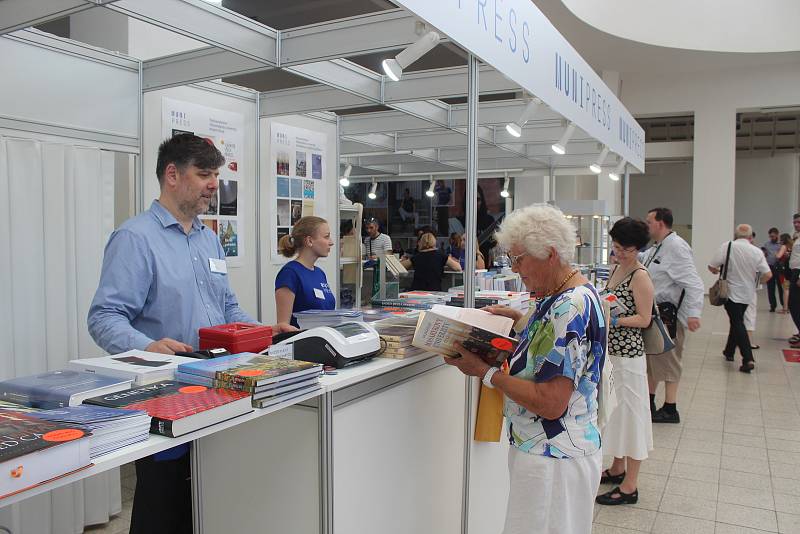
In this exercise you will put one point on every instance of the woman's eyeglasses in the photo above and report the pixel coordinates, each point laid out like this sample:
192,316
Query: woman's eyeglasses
515,259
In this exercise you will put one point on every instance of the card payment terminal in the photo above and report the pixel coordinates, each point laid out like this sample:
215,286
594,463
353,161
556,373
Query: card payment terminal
338,345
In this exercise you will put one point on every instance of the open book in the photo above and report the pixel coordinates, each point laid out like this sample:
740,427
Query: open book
478,331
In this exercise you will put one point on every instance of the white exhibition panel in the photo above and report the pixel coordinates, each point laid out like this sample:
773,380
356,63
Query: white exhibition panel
516,38
398,455
92,96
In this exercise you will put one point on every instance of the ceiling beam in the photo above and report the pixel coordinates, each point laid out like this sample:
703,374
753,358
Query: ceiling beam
19,14
209,63
345,76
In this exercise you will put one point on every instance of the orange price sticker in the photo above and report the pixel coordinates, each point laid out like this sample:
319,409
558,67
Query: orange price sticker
64,434
502,344
250,372
192,389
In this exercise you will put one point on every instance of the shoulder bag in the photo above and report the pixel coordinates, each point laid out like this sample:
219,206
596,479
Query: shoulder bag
656,336
718,294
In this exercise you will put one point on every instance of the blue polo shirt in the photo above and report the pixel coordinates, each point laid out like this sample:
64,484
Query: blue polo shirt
310,287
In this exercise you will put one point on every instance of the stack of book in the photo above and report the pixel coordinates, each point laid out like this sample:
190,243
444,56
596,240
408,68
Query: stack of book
435,297
111,428
518,300
398,340
60,388
36,451
268,380
313,318
137,365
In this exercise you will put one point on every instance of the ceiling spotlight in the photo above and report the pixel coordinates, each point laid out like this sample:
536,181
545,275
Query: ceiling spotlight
345,179
515,128
617,173
373,191
429,192
560,148
394,67
596,167
504,193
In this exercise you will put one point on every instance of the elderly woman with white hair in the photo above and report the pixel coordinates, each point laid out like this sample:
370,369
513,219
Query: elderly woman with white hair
551,390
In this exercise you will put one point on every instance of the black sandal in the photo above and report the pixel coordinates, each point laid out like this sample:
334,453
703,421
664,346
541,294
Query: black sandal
607,478
746,367
609,498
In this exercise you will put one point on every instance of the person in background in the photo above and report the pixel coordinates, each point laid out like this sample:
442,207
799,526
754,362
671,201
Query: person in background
783,269
444,197
751,314
164,277
483,223
457,252
300,284
771,249
746,266
628,436
550,394
429,264
794,280
376,244
406,209
671,266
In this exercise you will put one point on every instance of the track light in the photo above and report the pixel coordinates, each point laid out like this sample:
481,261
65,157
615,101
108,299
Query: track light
394,67
515,128
504,193
373,191
617,173
596,167
429,192
560,148
345,179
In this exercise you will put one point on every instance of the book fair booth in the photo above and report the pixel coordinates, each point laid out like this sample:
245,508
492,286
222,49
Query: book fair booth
79,130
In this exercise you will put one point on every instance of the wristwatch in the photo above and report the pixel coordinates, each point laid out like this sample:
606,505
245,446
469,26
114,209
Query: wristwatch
487,378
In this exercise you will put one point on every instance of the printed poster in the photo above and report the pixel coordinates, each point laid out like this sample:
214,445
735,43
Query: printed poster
298,181
225,129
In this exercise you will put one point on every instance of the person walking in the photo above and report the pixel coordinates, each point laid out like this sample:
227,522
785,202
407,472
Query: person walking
783,269
671,266
771,249
745,266
794,289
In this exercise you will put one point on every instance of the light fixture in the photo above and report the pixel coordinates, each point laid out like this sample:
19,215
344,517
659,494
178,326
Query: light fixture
515,128
373,191
617,173
394,67
560,148
504,193
345,179
596,167
429,192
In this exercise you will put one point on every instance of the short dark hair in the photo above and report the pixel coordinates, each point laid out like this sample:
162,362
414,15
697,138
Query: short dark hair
664,215
630,232
773,230
183,150
796,216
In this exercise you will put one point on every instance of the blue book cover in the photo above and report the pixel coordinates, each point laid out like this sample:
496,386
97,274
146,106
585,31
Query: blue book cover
209,368
57,389
86,414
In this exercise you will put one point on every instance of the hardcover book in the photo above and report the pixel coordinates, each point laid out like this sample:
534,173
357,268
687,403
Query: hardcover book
140,366
177,408
265,369
56,389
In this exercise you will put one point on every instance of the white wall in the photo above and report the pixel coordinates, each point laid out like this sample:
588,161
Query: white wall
766,192
269,270
667,185
242,279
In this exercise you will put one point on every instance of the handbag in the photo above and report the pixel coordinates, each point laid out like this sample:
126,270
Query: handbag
718,294
656,336
669,315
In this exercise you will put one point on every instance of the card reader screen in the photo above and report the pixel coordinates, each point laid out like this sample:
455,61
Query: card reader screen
349,329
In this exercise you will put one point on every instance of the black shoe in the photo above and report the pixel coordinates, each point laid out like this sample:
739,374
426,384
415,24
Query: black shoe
615,497
772,310
746,367
607,478
663,416
728,357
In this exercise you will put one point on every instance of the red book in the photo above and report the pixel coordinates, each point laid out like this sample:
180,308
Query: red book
177,408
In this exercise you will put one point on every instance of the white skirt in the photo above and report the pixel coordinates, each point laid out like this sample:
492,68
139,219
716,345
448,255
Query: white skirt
550,495
629,431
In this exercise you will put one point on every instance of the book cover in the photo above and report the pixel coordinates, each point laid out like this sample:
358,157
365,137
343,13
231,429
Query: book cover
266,369
86,414
140,366
209,368
478,331
56,389
395,333
214,383
170,401
24,433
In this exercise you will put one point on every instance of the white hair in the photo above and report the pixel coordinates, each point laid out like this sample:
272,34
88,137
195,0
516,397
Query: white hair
538,228
744,231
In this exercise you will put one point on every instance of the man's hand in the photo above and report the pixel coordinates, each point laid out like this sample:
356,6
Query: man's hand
168,346
505,311
714,270
283,327
693,323
468,363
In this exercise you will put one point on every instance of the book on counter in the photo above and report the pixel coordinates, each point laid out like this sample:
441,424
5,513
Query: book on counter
287,397
36,451
177,408
313,318
111,428
249,371
259,392
56,389
140,366
478,331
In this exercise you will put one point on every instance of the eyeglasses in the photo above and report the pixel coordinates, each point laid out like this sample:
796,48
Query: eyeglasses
619,248
515,259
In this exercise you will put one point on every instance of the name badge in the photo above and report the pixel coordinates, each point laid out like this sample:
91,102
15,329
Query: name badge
218,266
319,294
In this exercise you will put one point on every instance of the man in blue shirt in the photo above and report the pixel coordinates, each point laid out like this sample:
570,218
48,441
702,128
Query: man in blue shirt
164,277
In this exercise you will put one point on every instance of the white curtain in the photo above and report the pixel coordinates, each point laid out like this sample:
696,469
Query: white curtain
56,213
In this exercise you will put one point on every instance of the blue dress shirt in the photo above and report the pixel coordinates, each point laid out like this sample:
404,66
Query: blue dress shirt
157,282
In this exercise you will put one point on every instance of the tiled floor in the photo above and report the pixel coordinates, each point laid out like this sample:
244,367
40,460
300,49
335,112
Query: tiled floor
733,464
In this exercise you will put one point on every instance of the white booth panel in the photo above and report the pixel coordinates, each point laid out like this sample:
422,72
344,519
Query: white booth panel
398,458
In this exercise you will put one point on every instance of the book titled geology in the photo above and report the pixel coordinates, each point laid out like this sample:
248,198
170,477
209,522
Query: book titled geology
177,408
57,389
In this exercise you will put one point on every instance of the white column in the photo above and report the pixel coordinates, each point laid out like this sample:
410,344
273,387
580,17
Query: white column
713,184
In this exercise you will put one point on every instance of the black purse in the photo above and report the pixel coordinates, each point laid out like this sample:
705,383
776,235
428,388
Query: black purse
669,315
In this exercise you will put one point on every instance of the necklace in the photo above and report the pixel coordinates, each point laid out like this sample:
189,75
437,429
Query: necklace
564,282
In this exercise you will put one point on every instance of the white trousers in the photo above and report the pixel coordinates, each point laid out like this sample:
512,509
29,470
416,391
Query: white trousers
551,496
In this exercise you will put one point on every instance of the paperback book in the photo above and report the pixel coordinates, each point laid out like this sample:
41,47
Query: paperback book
140,366
56,389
